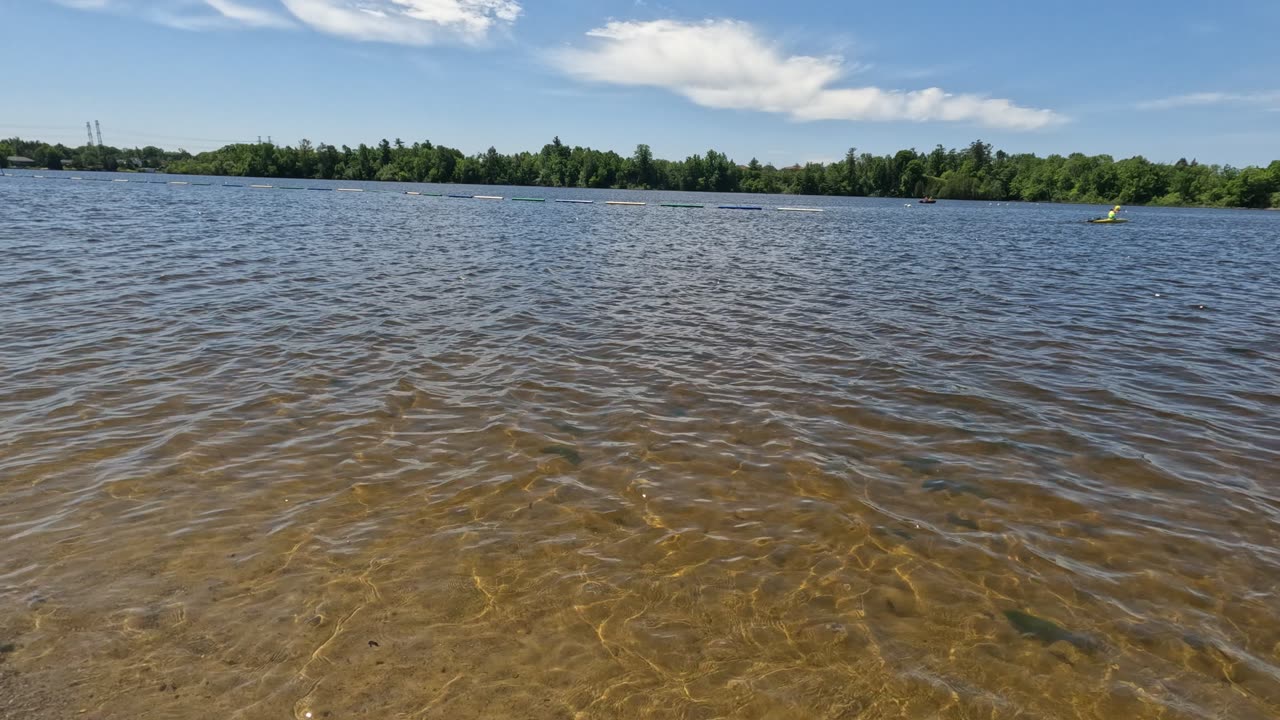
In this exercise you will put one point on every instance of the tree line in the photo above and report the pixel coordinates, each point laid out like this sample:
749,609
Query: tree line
88,157
977,172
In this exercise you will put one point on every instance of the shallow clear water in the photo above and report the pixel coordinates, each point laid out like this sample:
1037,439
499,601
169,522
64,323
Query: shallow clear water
267,453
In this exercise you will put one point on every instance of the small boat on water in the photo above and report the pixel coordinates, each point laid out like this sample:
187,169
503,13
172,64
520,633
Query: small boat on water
928,201
1112,218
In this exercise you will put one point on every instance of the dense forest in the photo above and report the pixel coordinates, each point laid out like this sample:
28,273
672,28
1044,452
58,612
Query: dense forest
974,173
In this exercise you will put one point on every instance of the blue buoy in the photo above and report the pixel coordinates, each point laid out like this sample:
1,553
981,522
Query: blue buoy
741,207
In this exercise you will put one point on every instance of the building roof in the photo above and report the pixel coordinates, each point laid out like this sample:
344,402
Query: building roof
20,159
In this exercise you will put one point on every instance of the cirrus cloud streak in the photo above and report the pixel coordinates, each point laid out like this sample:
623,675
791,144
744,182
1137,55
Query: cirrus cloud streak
405,22
1265,98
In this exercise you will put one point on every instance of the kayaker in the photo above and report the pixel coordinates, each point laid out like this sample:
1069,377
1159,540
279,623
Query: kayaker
1112,215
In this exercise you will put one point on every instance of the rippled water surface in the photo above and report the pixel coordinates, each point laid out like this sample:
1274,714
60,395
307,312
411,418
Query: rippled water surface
272,454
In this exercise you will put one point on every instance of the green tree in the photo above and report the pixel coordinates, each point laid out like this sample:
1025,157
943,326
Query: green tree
912,181
308,159
645,171
851,183
493,167
1138,181
443,164
555,169
1251,188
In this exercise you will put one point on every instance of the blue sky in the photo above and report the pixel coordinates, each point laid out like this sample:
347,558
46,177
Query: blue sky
784,82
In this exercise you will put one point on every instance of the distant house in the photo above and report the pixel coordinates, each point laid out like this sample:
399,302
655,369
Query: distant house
20,162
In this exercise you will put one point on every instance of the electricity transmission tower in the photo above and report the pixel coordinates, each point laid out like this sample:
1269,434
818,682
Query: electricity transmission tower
99,129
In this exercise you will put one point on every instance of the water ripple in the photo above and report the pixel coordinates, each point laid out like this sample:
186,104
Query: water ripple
269,454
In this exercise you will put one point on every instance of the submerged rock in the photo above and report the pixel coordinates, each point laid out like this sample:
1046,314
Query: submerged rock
565,452
921,465
1047,631
934,486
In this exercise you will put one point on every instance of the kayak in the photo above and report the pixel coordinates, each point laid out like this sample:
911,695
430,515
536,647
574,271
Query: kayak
1108,221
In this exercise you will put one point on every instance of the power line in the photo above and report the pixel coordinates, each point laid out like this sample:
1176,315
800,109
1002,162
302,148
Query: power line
39,127
160,136
120,132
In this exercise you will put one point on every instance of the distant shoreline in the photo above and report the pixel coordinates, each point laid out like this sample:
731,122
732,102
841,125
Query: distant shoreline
978,171
8,172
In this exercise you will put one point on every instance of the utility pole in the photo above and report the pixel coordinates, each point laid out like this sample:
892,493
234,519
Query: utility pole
99,129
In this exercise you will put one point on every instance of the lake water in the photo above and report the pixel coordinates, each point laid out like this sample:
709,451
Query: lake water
273,454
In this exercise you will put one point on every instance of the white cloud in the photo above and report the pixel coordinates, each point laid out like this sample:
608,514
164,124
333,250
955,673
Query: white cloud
726,64
248,15
406,22
192,14
1205,99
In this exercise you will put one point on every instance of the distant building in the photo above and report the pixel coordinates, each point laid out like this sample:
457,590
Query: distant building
20,162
